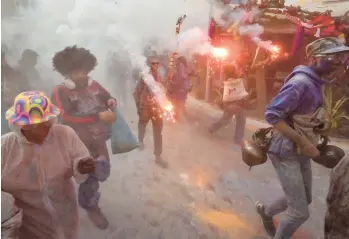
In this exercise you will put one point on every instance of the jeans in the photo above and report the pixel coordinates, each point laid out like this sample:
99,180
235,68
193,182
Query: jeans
89,195
145,115
240,123
295,176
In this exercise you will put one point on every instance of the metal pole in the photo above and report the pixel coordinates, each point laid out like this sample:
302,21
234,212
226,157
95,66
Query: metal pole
208,67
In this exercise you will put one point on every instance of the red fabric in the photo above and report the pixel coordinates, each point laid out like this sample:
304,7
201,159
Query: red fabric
57,93
212,29
327,27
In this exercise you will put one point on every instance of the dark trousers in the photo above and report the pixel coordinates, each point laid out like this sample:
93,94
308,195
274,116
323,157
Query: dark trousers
240,122
145,115
89,195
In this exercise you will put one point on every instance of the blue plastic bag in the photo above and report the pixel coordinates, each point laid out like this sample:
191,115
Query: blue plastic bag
122,139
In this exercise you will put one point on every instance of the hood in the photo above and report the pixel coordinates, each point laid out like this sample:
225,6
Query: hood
17,130
308,71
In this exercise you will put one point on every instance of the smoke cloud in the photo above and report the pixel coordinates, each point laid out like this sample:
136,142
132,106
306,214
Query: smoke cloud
123,27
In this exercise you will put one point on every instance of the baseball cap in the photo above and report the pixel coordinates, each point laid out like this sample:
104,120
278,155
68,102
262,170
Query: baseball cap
326,46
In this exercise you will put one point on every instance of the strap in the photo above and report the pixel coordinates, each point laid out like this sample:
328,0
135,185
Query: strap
323,92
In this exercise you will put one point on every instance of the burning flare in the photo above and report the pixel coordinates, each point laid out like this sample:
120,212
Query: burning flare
219,52
158,91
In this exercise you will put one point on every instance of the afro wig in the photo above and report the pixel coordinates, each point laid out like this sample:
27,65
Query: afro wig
73,58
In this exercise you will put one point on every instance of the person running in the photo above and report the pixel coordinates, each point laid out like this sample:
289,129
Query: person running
289,151
178,87
38,160
11,85
147,110
88,108
235,106
27,69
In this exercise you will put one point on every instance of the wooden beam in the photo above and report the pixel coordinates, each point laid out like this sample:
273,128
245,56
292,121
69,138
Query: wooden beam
261,88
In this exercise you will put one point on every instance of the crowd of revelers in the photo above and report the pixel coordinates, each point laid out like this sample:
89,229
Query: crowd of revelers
56,138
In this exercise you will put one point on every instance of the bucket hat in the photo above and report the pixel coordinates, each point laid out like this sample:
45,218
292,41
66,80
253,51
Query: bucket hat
31,107
326,46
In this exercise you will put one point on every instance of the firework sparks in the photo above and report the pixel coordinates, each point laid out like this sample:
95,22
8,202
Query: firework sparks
267,45
220,53
165,108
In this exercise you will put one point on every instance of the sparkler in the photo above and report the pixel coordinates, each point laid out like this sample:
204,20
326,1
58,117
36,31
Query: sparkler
165,108
267,45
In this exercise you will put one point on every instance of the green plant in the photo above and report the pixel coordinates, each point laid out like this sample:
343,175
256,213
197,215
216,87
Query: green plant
334,108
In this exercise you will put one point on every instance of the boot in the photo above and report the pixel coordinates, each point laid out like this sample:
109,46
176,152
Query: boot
98,218
267,220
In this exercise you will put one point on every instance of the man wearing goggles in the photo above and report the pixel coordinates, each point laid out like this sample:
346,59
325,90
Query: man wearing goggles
290,151
148,110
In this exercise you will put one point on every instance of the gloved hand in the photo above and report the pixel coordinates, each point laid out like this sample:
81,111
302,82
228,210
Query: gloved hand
87,165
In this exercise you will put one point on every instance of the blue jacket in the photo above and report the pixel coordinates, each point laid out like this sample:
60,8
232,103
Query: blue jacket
301,94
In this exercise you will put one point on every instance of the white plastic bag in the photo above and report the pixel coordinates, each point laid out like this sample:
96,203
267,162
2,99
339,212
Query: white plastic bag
234,90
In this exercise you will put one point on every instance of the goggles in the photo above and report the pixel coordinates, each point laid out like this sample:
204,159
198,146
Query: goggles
339,58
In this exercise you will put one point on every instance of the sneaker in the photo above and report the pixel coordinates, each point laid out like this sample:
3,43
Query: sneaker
98,218
141,146
267,220
159,161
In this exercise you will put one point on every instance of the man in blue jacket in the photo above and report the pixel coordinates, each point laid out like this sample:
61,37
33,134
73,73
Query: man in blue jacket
300,95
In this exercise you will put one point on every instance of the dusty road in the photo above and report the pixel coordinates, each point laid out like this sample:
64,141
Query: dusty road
206,193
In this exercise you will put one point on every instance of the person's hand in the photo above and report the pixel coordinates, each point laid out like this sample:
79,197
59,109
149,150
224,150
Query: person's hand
112,103
308,149
87,165
107,116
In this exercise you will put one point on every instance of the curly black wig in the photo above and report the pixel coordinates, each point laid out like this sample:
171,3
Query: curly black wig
73,58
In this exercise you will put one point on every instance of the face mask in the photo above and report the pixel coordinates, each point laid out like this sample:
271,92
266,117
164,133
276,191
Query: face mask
36,133
330,66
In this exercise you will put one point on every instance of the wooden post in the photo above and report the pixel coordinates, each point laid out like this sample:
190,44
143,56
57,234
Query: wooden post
261,87
208,87
208,66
